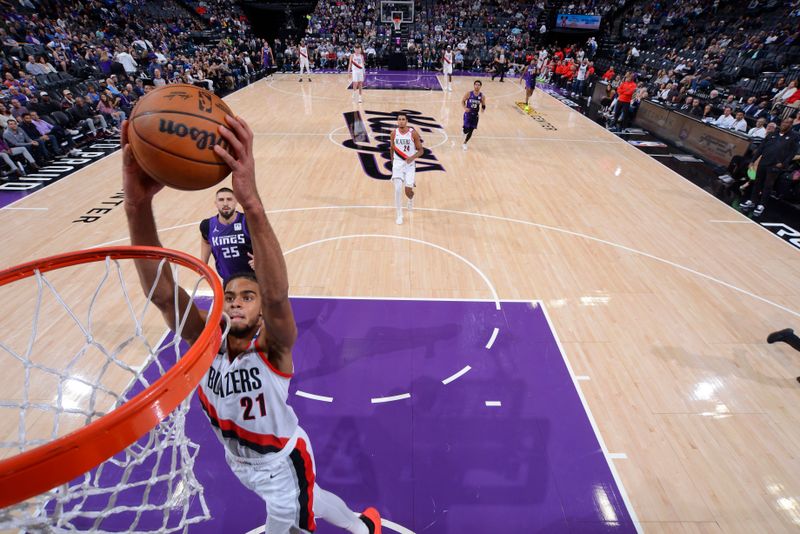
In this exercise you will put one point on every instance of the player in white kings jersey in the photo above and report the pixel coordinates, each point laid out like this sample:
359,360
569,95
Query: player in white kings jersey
447,67
302,52
357,68
244,392
406,147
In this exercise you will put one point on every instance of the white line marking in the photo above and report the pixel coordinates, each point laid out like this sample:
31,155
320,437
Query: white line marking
27,209
413,240
335,133
378,400
491,339
582,377
588,411
385,523
459,374
424,299
494,403
535,225
400,529
312,396
732,222
617,455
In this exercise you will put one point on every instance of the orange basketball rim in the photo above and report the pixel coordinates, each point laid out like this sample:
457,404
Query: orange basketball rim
37,470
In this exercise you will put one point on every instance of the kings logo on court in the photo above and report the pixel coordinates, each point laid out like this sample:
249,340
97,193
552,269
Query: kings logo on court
369,137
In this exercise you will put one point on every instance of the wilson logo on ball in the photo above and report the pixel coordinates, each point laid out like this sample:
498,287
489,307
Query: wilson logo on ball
203,139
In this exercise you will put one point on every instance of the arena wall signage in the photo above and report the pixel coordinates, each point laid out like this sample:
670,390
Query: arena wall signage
708,142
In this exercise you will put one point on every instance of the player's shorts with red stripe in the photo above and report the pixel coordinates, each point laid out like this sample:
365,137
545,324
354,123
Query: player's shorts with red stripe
287,486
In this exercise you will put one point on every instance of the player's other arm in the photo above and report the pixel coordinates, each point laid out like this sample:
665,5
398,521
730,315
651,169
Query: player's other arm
279,324
391,145
522,74
205,246
483,102
464,101
417,145
139,191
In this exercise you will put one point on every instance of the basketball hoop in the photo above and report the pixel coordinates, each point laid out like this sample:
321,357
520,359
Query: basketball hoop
397,21
140,423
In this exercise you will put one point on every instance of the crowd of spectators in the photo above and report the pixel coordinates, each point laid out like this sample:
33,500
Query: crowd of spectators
72,71
731,65
477,30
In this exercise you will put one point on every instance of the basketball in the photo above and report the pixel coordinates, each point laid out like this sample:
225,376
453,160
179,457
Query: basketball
172,133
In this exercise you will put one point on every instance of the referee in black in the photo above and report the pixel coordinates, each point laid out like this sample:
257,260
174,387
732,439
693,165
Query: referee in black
772,156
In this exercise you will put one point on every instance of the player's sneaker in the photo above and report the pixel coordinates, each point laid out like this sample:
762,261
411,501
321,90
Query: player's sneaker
360,100
399,219
309,79
746,205
372,519
758,211
300,80
464,146
410,204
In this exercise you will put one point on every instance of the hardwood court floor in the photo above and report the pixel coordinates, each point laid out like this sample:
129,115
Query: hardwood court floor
661,295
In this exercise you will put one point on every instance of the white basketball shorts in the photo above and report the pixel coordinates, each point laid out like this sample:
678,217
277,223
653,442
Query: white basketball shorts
358,75
404,171
447,68
286,484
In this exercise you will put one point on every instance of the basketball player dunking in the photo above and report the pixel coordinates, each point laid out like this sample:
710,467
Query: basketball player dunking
244,392
473,103
447,67
302,52
357,69
406,147
225,235
529,74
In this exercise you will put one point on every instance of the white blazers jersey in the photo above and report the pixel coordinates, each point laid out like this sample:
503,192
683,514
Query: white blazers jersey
404,144
303,53
447,62
357,62
245,400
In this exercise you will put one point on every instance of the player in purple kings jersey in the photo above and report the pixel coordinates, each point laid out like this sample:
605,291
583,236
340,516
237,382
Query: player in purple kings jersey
225,235
473,102
529,74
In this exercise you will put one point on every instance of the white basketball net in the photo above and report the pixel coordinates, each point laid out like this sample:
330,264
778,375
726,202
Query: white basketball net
148,487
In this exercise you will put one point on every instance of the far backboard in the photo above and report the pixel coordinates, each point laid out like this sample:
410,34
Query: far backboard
404,7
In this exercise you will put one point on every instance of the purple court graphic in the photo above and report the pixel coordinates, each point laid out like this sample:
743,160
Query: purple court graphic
451,417
408,81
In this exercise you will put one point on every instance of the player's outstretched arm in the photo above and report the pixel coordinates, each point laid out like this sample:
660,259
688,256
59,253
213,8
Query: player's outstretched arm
205,250
139,191
273,281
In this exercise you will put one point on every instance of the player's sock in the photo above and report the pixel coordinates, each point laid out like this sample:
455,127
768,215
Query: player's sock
332,509
398,197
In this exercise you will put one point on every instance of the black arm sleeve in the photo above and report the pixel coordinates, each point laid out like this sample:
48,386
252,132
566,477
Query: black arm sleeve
204,225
